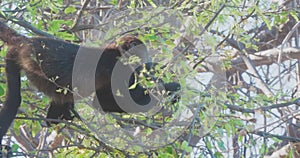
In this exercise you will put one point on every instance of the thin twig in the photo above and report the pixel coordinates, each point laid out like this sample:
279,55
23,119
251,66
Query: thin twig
79,15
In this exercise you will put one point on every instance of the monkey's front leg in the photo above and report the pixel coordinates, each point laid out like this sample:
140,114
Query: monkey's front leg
61,111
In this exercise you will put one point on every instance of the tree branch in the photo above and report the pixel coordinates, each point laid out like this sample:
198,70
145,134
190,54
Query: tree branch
27,25
268,135
266,57
263,108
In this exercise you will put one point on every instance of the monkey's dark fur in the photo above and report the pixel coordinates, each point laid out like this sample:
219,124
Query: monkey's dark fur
48,64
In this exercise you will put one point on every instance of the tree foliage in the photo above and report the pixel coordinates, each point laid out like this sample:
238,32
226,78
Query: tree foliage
237,61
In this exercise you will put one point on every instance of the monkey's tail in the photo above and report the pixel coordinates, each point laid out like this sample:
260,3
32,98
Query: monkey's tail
8,34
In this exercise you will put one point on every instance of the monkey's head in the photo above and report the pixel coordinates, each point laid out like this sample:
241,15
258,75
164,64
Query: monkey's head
129,74
131,47
127,42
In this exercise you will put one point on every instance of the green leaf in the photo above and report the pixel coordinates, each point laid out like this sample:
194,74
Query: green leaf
218,154
151,37
70,9
3,14
59,90
221,145
165,155
35,128
185,146
149,131
264,19
2,90
152,3
65,91
113,2
294,14
133,86
14,147
169,149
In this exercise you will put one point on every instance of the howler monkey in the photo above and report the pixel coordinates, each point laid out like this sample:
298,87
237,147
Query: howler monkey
48,64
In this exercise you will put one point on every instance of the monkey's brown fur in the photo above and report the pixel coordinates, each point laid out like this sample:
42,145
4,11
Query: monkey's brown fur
48,64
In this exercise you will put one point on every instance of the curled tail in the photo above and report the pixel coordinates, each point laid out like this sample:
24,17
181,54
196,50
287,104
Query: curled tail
8,34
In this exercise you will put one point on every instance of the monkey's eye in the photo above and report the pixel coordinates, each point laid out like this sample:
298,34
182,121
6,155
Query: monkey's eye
132,44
